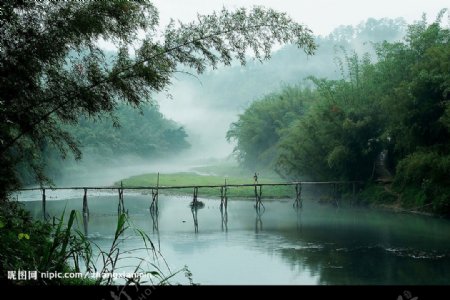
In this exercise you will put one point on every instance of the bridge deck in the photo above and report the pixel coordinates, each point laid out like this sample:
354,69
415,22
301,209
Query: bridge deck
163,187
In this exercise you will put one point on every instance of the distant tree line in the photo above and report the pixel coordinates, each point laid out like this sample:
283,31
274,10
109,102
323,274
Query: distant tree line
237,87
395,110
143,134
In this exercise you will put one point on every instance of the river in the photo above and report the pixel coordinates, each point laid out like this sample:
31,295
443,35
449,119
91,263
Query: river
319,244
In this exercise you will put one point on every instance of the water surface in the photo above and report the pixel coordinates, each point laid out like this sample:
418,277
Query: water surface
319,244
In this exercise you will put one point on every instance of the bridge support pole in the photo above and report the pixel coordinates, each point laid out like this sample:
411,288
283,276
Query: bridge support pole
195,201
154,205
121,206
85,204
85,213
194,209
258,195
44,210
223,196
298,196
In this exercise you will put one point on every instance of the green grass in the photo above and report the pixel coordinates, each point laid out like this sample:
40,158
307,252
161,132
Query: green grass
232,169
194,179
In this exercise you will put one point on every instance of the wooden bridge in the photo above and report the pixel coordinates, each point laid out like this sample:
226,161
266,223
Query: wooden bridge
223,189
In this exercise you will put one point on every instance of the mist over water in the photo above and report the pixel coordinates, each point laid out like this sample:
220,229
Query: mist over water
88,172
205,123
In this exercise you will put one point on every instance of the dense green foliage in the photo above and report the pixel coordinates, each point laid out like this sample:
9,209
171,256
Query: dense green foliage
393,112
259,128
339,137
29,245
147,135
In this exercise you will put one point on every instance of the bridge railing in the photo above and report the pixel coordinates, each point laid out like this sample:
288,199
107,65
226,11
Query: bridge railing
223,192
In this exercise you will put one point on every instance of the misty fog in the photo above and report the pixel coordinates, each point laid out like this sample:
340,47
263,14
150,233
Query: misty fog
206,105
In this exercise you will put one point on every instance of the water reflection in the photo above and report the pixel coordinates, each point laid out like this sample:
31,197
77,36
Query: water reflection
298,203
368,265
224,215
194,210
258,222
298,211
317,244
85,223
85,213
154,214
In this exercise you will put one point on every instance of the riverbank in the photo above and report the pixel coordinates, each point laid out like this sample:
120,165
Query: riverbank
372,195
384,197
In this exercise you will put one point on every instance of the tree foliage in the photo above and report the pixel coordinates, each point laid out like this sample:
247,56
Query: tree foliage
259,128
339,137
52,70
397,105
146,135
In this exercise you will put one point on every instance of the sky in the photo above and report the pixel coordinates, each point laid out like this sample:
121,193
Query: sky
322,16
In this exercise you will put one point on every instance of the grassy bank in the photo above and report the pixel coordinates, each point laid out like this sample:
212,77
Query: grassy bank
214,175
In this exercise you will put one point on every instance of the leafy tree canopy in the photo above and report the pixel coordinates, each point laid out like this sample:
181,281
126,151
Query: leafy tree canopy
390,116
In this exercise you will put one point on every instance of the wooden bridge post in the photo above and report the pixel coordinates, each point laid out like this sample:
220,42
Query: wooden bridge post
85,204
194,209
298,196
85,213
154,204
44,211
194,201
258,196
157,190
223,195
121,206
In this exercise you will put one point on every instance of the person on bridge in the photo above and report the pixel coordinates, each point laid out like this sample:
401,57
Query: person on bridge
256,178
